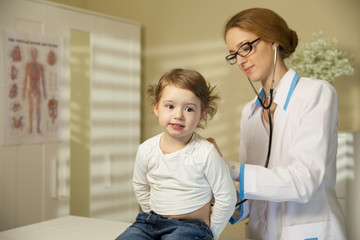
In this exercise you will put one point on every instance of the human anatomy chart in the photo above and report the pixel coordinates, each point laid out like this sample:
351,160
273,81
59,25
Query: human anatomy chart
31,87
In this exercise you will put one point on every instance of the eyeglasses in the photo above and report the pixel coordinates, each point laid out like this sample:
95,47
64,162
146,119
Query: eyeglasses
243,51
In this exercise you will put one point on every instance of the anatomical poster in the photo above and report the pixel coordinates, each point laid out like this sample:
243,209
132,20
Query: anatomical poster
31,87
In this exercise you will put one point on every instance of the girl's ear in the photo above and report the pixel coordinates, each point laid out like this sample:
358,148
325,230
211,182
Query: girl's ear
155,106
203,115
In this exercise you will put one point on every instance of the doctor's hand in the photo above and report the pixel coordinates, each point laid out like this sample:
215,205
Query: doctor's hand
212,140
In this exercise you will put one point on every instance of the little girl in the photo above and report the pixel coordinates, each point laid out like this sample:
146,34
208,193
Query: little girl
177,172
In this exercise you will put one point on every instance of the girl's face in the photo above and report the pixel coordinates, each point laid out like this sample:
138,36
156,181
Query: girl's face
179,113
258,65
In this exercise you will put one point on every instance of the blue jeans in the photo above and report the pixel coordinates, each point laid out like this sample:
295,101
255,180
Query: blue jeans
151,226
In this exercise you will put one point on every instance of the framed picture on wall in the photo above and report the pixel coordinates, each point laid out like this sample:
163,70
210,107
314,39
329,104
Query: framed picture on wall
31,87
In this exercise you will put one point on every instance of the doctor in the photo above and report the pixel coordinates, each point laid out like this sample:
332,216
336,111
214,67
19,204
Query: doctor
287,169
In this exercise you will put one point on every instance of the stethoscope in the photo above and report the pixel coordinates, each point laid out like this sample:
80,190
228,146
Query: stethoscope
269,113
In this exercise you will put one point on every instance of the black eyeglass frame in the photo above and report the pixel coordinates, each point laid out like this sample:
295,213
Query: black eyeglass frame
232,56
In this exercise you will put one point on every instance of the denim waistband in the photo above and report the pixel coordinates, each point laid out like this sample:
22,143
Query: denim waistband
155,215
156,224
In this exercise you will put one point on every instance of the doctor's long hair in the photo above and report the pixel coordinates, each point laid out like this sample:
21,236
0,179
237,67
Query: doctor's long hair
189,80
268,26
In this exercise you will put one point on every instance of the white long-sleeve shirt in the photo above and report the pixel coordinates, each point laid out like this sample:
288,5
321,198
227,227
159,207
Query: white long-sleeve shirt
184,181
294,198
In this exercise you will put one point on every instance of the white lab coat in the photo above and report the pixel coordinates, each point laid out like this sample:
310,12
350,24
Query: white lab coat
294,198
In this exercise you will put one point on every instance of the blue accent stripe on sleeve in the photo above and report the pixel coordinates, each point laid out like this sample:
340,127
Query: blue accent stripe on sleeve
315,238
240,194
242,211
242,169
291,90
240,208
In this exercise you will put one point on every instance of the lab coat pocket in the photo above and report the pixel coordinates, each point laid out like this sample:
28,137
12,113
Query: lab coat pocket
317,230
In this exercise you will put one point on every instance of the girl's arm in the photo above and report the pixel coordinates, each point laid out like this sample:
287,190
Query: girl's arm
217,174
140,183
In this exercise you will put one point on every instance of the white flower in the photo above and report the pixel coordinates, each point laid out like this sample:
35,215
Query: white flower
320,59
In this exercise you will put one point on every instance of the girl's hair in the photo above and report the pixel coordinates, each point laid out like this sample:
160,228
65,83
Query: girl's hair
268,26
190,80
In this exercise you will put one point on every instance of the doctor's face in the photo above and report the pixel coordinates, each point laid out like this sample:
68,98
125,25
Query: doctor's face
258,64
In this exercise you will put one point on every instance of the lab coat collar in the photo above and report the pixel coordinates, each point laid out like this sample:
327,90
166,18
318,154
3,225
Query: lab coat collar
282,93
